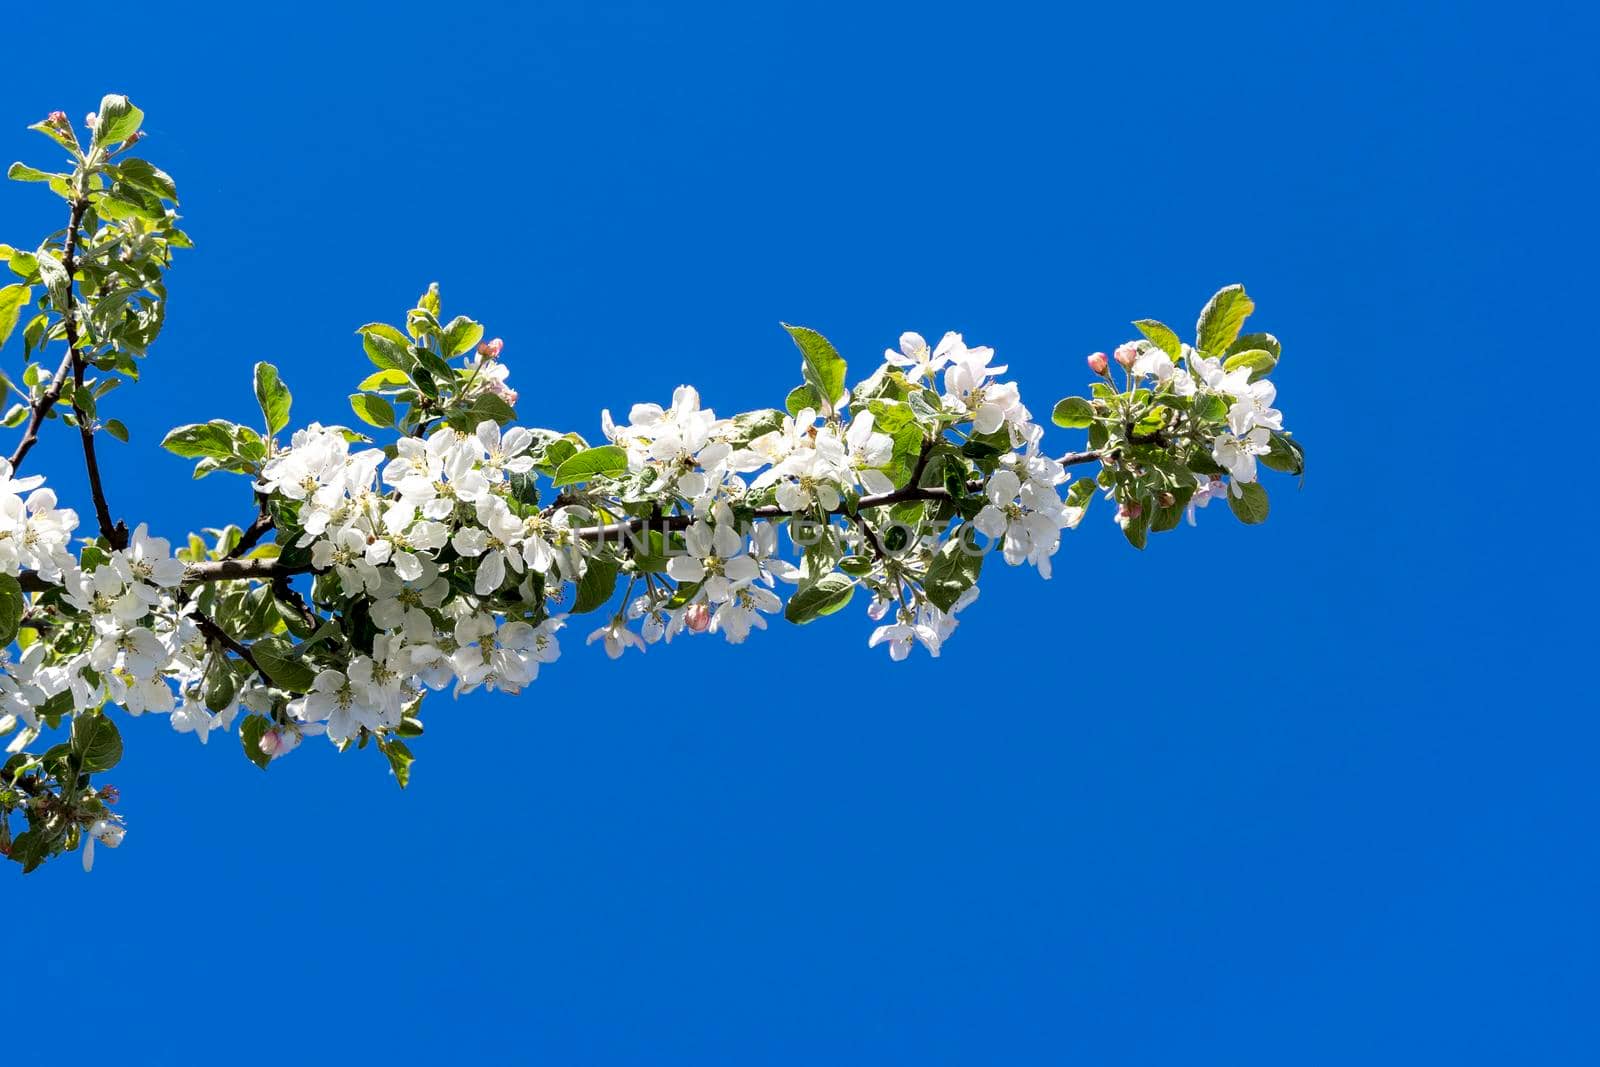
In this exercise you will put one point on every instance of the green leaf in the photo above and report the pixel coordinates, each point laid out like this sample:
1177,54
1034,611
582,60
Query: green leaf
823,597
95,742
13,298
12,605
606,461
599,581
954,569
1160,335
1259,360
251,731
429,301
1137,530
1251,507
1247,341
199,439
21,172
1221,319
372,410
752,424
386,347
1285,454
461,335
483,406
54,275
820,364
218,684
141,174
273,397
1211,408
117,120
400,759
117,429
1073,413
278,661
800,398
384,379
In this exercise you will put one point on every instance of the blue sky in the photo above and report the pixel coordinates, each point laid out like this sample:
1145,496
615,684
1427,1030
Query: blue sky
1336,807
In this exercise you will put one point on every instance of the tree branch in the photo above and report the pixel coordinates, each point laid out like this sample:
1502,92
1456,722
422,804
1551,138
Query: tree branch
272,570
47,400
209,627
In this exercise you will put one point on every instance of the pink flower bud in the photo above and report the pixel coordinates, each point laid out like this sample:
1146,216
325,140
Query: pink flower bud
1130,511
109,794
135,137
491,349
58,118
271,742
698,617
1127,354
91,120
503,391
1097,362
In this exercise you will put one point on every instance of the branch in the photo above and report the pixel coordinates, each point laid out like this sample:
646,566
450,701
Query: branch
272,570
47,400
253,534
209,627
115,532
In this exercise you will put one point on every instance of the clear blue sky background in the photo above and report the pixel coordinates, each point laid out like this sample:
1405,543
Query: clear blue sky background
1318,792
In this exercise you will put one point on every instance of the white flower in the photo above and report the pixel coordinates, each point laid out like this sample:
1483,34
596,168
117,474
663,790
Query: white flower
715,557
918,361
109,831
505,657
902,635
340,700
617,637
345,550
660,621
735,618
1233,383
506,455
405,605
1206,491
1238,454
665,436
496,541
969,390
1029,515
20,694
150,559
1253,408
1155,363
192,716
869,453
119,646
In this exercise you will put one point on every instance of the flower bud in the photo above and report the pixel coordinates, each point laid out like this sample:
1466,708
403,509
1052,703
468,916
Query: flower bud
491,349
91,120
271,743
135,137
697,617
109,794
1097,362
1127,354
1130,511
57,118
503,391
1166,500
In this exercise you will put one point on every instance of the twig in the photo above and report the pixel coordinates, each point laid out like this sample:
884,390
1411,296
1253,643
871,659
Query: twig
47,400
209,627
252,535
